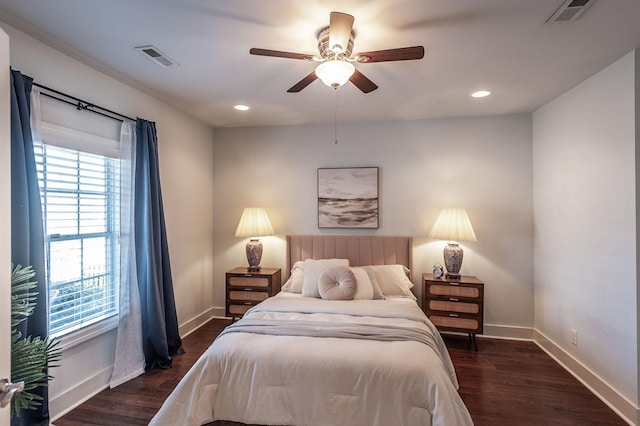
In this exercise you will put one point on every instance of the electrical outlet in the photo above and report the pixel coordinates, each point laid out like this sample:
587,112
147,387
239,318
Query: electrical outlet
574,337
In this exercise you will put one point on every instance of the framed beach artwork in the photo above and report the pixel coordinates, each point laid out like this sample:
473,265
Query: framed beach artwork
348,197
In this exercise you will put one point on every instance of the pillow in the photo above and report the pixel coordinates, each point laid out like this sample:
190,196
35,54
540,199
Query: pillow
393,280
377,292
294,283
312,270
337,283
365,288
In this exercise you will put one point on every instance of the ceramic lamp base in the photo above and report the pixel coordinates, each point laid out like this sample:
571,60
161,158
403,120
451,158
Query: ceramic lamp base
453,260
254,254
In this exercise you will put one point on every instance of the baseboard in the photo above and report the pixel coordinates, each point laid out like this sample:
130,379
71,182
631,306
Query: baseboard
195,323
627,410
507,332
70,399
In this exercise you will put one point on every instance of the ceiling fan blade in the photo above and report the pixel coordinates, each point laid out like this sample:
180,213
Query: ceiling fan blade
340,26
279,54
400,54
303,83
363,83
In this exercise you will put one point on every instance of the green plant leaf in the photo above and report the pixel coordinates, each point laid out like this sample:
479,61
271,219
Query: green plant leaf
31,356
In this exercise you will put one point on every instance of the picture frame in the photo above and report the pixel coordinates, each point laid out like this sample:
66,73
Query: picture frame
348,197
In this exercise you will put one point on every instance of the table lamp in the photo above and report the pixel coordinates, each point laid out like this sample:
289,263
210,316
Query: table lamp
453,225
254,223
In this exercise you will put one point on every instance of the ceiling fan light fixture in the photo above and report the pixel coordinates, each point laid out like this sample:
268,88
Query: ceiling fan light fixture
335,72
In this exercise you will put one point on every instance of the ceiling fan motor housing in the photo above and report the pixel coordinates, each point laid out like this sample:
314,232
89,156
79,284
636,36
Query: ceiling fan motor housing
326,50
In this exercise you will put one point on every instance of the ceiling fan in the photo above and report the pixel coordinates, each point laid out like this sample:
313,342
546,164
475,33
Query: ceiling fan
335,44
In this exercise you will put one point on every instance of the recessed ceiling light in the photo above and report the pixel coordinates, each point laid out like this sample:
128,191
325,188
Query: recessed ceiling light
241,107
480,94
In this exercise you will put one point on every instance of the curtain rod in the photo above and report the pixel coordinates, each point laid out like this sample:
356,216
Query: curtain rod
83,105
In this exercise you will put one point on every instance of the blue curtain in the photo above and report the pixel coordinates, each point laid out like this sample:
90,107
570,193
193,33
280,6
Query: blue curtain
161,340
27,235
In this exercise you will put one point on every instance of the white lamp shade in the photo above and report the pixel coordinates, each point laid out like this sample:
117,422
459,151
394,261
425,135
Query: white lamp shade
335,72
453,224
254,222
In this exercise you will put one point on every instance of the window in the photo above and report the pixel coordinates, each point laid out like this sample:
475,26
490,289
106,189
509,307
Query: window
79,189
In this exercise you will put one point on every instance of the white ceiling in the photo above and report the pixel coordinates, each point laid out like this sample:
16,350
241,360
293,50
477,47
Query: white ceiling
501,45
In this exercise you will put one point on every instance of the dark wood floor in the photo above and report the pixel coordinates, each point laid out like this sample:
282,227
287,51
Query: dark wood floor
505,383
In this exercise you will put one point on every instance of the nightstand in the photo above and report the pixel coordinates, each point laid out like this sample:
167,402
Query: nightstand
248,288
455,304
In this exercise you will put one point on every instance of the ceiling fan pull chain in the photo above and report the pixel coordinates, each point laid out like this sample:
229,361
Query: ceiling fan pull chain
335,120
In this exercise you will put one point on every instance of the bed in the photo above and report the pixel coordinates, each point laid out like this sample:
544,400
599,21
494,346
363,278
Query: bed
299,359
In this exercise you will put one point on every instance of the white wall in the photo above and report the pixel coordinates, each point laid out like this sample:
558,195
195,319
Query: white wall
584,146
185,165
482,164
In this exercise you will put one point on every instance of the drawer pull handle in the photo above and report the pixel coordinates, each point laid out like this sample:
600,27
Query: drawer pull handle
453,299
247,303
247,275
453,284
453,315
248,289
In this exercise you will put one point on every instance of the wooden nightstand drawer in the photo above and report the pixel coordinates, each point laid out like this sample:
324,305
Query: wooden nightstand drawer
252,296
448,305
453,291
456,323
245,289
243,281
238,310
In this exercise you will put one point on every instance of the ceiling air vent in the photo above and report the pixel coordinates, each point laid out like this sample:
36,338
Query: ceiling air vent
570,11
156,55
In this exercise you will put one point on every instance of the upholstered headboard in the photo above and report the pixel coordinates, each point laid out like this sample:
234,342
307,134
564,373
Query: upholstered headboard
361,250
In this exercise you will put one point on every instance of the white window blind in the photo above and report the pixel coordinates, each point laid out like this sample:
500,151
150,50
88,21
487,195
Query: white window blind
80,195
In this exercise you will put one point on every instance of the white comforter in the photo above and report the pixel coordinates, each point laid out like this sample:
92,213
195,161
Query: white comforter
298,380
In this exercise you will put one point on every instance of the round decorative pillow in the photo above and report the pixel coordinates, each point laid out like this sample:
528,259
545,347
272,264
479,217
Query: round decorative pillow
337,283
